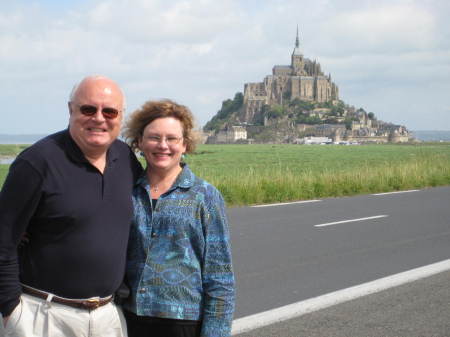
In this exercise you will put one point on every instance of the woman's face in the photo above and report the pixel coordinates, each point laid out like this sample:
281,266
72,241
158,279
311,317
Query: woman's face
163,144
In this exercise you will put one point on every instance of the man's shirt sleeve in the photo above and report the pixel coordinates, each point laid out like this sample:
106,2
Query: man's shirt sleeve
19,198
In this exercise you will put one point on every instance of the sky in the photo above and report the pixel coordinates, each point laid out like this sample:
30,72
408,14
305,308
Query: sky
390,57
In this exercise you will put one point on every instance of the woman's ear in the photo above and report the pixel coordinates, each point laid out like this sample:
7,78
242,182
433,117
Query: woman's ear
139,147
139,143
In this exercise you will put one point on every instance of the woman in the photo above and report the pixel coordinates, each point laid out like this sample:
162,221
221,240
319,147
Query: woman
179,257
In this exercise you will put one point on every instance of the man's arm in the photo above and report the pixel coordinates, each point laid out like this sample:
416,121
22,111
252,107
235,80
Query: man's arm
19,198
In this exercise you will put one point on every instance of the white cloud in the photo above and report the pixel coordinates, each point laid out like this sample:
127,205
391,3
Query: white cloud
200,52
386,29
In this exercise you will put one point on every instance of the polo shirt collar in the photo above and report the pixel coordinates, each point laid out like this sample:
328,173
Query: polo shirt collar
77,155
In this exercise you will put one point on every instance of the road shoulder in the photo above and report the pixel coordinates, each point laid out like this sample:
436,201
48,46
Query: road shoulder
420,308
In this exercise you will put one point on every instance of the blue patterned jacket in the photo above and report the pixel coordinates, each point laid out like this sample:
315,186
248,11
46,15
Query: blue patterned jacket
179,255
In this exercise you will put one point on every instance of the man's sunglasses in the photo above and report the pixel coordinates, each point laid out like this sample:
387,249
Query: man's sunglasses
91,110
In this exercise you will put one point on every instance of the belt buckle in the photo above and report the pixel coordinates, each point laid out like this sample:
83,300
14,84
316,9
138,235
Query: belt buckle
92,303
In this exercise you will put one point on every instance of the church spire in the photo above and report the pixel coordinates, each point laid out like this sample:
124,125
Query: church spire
297,45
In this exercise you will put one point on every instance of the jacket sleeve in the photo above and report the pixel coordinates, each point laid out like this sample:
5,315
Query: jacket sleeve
19,198
218,277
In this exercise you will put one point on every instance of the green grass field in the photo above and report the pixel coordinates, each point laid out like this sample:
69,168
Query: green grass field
7,150
254,174
3,173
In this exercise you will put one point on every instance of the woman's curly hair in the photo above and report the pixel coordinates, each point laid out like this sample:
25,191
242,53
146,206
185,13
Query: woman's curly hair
151,110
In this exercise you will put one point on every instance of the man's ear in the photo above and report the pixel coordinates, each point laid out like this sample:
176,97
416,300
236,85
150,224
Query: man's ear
70,108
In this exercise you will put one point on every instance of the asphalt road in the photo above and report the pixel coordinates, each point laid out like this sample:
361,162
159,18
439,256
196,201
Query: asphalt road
417,309
281,256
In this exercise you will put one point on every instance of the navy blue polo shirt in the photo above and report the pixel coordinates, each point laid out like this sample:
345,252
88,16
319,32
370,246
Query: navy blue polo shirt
78,220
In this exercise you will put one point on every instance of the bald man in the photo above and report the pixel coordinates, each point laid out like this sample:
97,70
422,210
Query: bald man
71,192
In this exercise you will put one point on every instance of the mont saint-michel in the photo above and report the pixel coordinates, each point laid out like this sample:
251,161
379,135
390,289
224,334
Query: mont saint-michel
297,103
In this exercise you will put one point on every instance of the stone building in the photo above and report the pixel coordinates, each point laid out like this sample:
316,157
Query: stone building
302,79
229,135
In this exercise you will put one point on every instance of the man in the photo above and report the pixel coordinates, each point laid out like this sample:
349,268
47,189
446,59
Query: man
71,192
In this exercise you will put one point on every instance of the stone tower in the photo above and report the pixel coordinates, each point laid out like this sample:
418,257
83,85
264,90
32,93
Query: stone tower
297,62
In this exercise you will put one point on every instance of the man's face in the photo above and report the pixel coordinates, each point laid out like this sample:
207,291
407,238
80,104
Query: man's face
92,123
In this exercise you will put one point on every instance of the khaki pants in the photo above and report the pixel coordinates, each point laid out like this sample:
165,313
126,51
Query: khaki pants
35,317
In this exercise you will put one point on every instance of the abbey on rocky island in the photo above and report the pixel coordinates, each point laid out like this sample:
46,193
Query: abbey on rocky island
303,79
295,102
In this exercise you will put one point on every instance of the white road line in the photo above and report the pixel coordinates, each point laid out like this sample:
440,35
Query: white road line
386,193
351,220
273,316
287,203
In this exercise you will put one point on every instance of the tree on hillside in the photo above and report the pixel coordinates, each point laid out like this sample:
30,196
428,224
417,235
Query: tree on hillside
304,119
276,111
337,110
327,105
360,111
349,121
298,105
228,108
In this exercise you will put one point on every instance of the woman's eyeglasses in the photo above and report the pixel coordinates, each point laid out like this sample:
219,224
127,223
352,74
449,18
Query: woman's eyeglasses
171,140
91,110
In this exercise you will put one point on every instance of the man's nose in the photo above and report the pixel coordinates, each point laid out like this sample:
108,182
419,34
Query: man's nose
99,115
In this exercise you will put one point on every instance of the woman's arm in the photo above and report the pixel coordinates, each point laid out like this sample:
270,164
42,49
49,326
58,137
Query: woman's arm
217,275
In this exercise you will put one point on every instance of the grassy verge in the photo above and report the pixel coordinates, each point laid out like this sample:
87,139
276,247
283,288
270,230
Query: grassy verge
264,174
3,173
11,150
8,150
254,174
